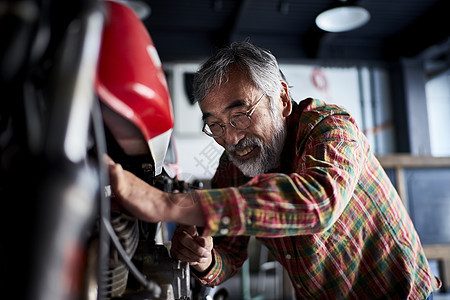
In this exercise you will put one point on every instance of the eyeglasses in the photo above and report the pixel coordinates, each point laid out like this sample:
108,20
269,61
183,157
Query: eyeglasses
239,121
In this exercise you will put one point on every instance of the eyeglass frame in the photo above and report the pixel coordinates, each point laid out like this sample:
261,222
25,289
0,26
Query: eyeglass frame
248,114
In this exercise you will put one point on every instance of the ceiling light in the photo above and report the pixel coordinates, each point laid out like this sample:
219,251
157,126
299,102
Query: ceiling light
342,18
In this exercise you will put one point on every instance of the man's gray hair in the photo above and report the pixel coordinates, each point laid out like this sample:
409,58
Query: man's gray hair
259,64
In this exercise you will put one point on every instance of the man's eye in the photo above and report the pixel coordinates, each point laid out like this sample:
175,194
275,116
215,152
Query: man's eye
239,120
213,125
239,117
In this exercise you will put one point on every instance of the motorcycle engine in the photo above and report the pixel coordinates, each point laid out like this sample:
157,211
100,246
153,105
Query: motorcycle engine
116,277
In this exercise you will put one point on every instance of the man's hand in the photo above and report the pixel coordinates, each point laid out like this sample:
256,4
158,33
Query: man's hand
138,198
188,246
148,203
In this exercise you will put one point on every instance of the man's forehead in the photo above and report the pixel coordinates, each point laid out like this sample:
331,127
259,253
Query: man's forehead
238,91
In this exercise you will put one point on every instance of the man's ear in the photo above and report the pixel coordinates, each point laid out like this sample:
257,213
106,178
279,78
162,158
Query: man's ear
286,100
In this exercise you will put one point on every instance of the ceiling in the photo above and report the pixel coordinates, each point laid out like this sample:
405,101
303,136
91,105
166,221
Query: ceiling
191,30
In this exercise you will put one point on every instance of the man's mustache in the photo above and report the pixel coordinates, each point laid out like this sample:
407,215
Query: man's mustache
243,143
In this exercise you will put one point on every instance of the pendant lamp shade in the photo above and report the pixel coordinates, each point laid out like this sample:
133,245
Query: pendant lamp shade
342,18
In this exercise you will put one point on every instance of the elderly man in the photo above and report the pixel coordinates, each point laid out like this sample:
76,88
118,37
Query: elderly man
299,177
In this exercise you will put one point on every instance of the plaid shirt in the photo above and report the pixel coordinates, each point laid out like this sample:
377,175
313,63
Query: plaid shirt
329,214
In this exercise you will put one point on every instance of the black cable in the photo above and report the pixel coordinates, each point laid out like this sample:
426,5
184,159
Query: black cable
148,284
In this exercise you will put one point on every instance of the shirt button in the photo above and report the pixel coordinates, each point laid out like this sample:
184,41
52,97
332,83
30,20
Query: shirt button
224,231
288,256
226,220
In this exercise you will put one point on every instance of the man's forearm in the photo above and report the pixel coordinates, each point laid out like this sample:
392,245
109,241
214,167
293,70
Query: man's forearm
150,204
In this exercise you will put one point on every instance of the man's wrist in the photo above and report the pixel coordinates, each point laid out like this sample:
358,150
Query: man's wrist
183,208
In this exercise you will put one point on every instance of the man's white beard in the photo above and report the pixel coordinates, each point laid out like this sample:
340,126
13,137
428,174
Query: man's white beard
268,158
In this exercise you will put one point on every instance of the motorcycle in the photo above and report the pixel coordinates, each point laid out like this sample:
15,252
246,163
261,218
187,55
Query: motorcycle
79,79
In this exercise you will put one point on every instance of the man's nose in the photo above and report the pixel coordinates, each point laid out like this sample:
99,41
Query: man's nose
232,136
